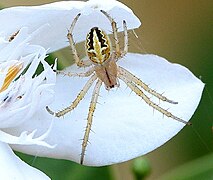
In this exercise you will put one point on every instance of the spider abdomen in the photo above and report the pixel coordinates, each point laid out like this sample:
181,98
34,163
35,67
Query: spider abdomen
98,46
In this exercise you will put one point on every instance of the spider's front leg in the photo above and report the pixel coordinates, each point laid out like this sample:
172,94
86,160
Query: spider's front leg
76,101
140,83
78,61
140,93
90,118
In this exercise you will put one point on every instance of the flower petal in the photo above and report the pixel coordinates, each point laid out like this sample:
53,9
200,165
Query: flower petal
26,138
14,168
21,99
61,14
124,126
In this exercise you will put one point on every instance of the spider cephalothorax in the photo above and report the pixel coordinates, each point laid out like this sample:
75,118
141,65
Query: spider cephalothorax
102,60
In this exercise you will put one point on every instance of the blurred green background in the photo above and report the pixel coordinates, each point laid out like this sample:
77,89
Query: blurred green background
182,32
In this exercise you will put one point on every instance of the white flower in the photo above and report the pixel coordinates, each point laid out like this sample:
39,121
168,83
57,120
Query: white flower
54,19
20,96
124,126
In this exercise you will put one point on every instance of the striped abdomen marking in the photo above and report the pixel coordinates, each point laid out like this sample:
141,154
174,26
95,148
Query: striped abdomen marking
98,46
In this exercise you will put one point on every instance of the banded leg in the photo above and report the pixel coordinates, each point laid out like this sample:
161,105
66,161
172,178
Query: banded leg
140,93
76,101
140,83
90,118
78,61
70,74
115,33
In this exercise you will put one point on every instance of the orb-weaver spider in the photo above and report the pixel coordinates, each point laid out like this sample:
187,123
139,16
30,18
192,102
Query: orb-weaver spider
104,69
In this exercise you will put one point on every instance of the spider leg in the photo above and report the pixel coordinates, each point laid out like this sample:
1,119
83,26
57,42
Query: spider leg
140,93
76,101
70,74
140,83
126,43
90,118
115,33
78,61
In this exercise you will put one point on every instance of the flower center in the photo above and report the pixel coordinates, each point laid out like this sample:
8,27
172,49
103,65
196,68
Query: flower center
11,74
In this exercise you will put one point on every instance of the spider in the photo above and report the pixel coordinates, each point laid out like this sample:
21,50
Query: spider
104,70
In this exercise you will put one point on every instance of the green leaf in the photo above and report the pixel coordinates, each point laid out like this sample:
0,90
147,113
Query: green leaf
66,170
201,168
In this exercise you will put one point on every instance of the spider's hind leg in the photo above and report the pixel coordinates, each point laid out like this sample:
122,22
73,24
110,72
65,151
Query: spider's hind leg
78,61
126,43
118,51
115,33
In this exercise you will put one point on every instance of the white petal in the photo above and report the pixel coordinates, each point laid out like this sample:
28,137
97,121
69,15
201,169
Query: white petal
25,95
124,126
57,17
26,138
19,47
14,168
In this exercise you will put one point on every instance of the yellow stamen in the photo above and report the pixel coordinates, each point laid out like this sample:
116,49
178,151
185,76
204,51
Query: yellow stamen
11,74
